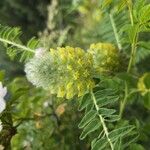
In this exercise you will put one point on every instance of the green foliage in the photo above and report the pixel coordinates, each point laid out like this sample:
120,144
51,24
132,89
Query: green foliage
97,115
115,113
11,38
34,118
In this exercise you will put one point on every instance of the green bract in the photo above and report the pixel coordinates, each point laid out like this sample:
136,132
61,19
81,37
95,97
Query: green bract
66,71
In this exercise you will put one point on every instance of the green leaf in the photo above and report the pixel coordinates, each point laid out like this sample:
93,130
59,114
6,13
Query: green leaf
106,112
103,93
120,132
93,142
121,5
136,147
104,101
32,44
142,53
86,100
87,118
144,44
132,32
105,3
117,144
11,39
144,14
128,78
131,140
113,118
100,144
91,127
89,107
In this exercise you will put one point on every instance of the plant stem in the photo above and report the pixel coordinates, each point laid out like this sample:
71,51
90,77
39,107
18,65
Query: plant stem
17,45
133,46
115,31
129,5
133,52
102,121
123,103
131,62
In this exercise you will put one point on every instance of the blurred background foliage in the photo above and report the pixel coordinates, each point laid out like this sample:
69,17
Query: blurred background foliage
41,121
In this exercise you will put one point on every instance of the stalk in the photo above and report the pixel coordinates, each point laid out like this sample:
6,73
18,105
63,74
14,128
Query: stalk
102,121
131,61
17,45
115,31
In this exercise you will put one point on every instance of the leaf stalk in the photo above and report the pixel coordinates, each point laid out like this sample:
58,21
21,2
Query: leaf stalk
24,48
102,121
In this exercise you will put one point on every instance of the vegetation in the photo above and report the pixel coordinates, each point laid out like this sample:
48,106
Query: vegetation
93,94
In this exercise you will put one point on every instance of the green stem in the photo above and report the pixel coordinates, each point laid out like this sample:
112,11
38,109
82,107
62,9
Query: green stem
133,52
129,5
102,121
17,45
123,103
131,62
115,31
133,46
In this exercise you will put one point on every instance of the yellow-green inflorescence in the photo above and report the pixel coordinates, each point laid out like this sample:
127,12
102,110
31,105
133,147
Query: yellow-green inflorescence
66,71
105,56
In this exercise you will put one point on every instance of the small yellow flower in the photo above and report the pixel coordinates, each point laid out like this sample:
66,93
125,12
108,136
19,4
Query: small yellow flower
105,56
69,85
61,92
81,89
70,93
76,75
86,73
90,85
69,67
80,62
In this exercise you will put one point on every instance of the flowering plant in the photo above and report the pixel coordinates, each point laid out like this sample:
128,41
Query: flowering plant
104,78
